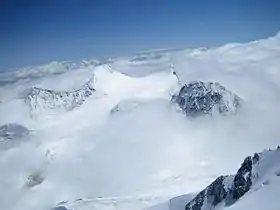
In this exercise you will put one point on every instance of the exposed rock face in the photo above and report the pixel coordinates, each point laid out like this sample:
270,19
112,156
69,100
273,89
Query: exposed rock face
216,191
213,195
12,134
197,98
35,179
242,180
45,99
219,192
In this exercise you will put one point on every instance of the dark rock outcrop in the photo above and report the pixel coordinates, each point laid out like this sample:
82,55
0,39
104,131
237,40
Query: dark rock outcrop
216,191
214,194
226,189
35,179
197,98
60,208
242,180
12,134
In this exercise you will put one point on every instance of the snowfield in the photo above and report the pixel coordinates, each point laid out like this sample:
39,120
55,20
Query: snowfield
106,135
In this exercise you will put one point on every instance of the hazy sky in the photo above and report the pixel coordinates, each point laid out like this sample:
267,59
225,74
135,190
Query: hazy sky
36,32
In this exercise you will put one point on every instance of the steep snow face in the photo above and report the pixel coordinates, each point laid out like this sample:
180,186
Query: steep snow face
144,155
197,98
122,86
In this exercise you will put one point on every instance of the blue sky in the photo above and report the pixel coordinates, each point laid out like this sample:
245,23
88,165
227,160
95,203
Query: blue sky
37,32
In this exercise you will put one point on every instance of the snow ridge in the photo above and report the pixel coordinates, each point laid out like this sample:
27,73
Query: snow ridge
226,190
40,99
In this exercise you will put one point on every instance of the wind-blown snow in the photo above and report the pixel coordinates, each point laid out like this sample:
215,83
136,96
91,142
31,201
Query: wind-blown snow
142,156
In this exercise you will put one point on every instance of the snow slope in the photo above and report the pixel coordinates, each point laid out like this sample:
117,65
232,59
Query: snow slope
141,157
254,174
264,193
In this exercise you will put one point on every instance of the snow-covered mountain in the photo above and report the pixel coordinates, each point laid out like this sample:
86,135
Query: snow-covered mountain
263,193
40,99
55,67
119,142
197,98
255,176
255,173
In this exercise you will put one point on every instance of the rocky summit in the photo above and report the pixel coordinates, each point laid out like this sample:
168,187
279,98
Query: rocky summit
197,98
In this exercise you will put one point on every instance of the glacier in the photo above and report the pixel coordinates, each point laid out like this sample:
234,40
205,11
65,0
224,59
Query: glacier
106,135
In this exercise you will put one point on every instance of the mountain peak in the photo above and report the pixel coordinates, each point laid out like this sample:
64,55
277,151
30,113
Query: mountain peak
197,98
